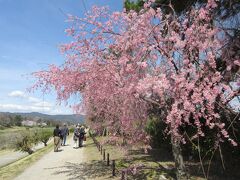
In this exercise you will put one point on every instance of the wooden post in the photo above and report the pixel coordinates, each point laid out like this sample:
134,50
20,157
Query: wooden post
113,168
123,175
104,156
108,159
101,149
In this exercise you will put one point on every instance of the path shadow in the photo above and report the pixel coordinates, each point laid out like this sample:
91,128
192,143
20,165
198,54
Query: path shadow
84,170
89,144
85,145
60,150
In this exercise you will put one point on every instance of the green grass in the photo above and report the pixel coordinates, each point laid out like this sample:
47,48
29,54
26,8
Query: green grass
12,170
12,129
124,160
7,136
155,166
21,128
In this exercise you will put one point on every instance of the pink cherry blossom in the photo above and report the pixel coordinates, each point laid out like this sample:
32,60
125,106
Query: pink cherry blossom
121,64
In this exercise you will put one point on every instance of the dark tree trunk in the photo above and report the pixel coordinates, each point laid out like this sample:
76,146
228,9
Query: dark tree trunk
30,151
178,158
45,142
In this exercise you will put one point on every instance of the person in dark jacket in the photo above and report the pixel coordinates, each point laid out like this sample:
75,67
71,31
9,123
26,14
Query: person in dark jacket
56,135
65,133
76,136
81,136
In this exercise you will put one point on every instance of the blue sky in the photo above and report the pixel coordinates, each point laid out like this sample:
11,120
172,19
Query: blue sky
31,32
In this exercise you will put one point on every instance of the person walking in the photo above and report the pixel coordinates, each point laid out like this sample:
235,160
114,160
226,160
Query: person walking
56,135
65,133
76,136
81,136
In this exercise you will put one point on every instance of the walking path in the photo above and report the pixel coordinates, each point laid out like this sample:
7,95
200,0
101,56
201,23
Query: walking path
82,163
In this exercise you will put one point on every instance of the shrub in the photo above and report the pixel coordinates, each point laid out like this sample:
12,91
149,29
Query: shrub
71,130
8,140
44,136
25,142
155,128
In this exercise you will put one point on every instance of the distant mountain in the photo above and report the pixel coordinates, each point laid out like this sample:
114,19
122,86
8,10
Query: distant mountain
73,118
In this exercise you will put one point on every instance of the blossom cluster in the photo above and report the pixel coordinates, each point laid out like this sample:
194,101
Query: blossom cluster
122,63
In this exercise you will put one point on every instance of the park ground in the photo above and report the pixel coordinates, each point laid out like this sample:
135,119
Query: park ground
69,163
87,163
82,163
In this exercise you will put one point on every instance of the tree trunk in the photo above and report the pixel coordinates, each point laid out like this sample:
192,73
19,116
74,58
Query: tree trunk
30,151
178,158
44,142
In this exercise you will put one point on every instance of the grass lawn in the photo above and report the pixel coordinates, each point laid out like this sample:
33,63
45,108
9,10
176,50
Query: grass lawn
11,129
20,128
12,170
8,135
156,163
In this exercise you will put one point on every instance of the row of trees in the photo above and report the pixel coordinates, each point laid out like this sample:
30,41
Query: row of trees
8,120
180,67
26,140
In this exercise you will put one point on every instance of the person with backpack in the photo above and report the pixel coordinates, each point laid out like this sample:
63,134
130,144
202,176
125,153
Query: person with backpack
81,136
65,133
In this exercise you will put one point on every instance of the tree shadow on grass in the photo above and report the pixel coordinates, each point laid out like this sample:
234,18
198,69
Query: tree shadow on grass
152,174
152,168
85,170
153,155
216,171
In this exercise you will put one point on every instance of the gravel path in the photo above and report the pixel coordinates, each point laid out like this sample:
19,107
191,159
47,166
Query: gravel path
82,163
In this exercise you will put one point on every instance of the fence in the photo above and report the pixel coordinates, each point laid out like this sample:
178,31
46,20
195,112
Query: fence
125,172
106,158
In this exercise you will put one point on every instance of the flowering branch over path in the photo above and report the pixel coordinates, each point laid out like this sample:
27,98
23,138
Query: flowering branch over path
123,63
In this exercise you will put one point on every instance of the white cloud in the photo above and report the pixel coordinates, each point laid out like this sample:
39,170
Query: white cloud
21,94
33,99
22,108
17,94
43,104
28,103
60,110
48,109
